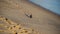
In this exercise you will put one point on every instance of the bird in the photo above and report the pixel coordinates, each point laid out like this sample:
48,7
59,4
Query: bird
30,16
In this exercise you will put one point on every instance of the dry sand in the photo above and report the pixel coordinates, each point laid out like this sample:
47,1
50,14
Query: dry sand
19,11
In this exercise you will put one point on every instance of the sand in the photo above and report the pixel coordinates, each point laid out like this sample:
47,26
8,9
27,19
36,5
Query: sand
43,21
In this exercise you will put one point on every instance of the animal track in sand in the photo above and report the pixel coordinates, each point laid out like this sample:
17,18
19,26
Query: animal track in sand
14,28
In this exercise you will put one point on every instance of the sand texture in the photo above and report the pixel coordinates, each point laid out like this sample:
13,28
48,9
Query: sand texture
29,16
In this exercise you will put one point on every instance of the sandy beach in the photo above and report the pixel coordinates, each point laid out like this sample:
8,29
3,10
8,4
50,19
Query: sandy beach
19,11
